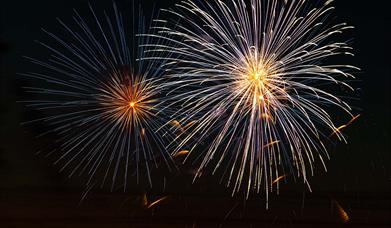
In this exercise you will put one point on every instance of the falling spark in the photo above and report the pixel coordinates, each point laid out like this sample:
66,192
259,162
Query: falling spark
176,123
189,124
251,73
156,202
278,179
353,119
342,213
182,152
338,129
144,200
272,143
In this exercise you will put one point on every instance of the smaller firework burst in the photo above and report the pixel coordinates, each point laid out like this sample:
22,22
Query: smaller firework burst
101,100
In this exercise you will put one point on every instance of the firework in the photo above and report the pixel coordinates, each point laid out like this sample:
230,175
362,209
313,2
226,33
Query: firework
101,100
257,82
341,212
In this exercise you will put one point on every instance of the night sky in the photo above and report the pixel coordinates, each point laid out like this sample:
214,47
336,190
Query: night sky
35,194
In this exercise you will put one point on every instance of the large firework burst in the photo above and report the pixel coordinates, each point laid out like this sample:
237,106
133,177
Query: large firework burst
101,100
257,80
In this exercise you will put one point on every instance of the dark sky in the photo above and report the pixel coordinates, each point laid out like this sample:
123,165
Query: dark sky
359,169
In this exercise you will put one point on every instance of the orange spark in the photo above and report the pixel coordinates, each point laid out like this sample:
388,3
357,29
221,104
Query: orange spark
353,119
189,124
272,143
338,129
279,178
342,213
145,200
176,123
157,201
182,152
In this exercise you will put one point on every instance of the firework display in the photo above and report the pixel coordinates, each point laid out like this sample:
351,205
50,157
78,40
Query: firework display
256,80
101,100
247,90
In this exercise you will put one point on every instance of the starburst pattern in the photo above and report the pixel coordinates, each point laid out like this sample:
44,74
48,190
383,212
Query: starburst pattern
101,100
256,78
